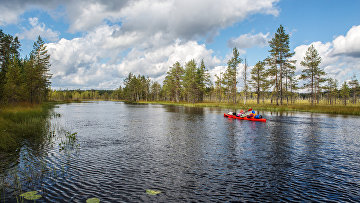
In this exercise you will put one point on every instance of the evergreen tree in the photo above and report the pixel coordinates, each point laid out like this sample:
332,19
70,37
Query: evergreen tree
354,84
202,80
9,48
40,69
218,86
246,87
231,74
173,83
258,79
345,92
155,91
312,71
13,87
279,61
189,81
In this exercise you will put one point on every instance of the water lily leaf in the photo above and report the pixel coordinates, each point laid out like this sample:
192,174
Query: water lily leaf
32,195
93,200
153,192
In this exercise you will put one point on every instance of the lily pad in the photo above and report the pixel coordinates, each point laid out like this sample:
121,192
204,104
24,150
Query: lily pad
153,192
93,200
32,195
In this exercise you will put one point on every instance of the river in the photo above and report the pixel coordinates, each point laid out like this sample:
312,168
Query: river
189,154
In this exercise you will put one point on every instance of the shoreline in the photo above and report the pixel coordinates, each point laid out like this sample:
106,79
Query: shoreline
327,109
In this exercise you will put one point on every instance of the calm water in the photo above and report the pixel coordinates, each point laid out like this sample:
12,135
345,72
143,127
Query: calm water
190,154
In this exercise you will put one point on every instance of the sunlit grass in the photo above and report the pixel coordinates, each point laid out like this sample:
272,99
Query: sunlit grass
20,122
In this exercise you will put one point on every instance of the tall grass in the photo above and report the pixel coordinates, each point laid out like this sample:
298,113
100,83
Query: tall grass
20,122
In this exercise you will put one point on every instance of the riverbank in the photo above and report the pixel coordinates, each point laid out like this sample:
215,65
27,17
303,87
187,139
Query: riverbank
22,121
330,109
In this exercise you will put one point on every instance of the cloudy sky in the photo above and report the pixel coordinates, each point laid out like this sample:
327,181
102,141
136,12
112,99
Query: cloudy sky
96,43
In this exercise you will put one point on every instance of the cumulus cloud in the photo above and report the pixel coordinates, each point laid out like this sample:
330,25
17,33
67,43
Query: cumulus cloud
348,45
39,29
249,40
80,62
11,10
180,18
339,57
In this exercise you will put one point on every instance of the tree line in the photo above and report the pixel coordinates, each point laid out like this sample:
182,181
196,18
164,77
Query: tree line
23,79
273,79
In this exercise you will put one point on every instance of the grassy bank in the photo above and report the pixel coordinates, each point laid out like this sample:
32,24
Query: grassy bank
322,108
19,122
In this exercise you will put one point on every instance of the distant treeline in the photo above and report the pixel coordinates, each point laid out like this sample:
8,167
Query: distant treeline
272,79
23,79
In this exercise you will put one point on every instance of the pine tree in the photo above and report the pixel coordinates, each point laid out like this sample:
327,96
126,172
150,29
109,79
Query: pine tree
354,84
231,74
202,80
279,61
40,60
155,91
312,71
173,82
345,92
218,86
9,48
13,91
258,79
246,87
189,81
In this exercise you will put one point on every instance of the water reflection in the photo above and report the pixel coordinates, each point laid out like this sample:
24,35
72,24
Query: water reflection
195,154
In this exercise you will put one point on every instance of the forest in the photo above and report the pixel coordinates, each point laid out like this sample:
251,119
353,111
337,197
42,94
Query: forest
271,81
23,80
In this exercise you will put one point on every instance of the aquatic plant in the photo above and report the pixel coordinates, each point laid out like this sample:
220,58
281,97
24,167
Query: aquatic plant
153,192
70,141
32,195
93,200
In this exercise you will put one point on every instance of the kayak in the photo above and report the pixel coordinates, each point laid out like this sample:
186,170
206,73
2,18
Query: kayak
245,118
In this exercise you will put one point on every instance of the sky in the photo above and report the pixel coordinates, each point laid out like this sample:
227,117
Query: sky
95,44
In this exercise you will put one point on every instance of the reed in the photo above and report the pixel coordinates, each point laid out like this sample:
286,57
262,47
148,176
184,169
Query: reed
20,122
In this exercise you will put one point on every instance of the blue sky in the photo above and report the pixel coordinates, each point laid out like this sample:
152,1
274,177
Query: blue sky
95,44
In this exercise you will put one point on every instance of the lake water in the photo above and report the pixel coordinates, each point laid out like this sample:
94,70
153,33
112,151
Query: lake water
189,154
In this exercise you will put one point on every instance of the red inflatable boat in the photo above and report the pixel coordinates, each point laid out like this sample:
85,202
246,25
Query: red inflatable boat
245,118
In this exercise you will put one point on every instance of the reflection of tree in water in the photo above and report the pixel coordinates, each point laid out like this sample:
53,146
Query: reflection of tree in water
279,156
27,166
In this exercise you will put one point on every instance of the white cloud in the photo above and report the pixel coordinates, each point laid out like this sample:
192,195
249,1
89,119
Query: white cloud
183,19
39,29
350,44
80,62
11,10
248,40
339,57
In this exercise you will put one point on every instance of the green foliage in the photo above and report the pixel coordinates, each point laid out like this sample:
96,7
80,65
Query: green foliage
173,86
153,192
354,84
69,142
19,123
258,79
312,72
23,80
230,76
280,63
32,195
345,92
93,200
